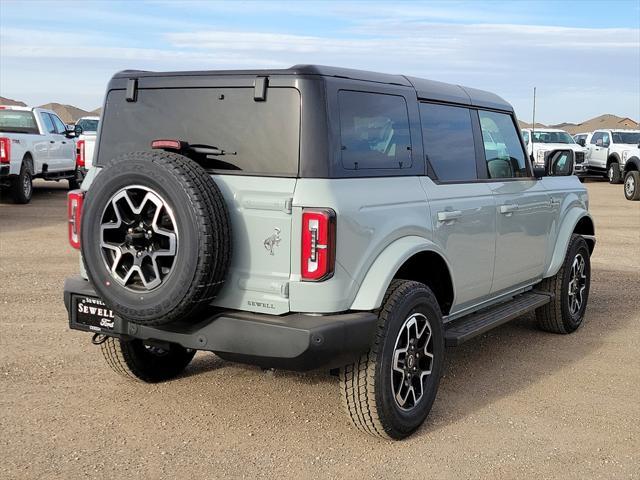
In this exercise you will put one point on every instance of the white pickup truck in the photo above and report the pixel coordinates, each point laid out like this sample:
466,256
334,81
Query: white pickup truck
34,143
541,141
87,130
614,153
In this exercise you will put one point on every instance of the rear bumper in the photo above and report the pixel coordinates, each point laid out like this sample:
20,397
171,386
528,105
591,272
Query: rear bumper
293,342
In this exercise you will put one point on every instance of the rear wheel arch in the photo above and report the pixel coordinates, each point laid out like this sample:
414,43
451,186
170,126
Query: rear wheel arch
613,158
28,159
633,164
408,258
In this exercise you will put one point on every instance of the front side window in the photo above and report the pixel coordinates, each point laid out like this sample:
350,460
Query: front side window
503,150
48,123
605,139
596,136
59,125
448,141
374,131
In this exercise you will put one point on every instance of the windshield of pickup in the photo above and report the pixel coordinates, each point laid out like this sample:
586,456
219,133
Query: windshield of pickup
236,133
632,138
18,121
552,137
88,125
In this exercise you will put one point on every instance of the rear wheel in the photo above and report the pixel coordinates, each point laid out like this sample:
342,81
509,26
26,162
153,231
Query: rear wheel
137,360
22,187
570,290
632,185
389,391
613,173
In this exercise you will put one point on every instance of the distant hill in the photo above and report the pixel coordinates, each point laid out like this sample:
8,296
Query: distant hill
13,103
601,121
68,113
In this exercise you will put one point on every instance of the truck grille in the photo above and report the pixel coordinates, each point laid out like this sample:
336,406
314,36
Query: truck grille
579,157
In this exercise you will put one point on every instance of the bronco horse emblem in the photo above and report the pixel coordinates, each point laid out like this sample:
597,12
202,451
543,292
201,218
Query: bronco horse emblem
273,241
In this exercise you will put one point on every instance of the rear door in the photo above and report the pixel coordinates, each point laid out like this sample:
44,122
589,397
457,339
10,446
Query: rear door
523,208
256,173
53,155
462,208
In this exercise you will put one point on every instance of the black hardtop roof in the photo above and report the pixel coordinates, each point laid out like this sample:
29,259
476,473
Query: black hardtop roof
425,89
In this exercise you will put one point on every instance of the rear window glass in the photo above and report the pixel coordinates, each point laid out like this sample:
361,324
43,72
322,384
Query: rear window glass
448,141
17,121
259,138
88,125
374,131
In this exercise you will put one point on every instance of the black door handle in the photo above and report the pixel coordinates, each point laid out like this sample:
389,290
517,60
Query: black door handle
52,141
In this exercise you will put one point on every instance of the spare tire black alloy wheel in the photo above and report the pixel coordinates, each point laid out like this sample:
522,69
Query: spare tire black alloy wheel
156,237
139,239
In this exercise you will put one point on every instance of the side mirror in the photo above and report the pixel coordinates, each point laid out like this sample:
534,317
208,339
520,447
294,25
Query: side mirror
599,142
559,163
77,130
581,142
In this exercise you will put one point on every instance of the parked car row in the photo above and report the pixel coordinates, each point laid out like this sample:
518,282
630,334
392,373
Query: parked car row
614,154
36,143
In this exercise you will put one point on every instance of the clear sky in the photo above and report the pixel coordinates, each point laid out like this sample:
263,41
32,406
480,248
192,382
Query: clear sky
584,57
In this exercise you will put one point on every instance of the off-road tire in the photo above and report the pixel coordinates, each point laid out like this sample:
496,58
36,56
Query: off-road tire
202,222
613,173
22,185
555,316
135,361
366,384
632,185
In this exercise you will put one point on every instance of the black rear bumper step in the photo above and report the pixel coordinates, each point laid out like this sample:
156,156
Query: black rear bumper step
465,328
294,342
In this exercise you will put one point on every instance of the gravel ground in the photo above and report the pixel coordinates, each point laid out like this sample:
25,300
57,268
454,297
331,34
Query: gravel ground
514,403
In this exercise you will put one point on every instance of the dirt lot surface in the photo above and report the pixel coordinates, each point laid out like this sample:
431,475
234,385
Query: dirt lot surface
515,403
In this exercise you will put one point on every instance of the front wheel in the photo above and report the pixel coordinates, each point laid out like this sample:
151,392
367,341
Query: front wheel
140,361
389,391
613,173
632,185
570,290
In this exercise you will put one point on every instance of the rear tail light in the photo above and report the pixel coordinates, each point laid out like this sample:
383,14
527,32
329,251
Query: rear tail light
74,213
318,244
5,150
166,144
80,153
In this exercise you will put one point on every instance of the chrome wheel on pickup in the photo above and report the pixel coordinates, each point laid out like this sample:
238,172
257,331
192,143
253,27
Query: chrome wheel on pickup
139,238
632,185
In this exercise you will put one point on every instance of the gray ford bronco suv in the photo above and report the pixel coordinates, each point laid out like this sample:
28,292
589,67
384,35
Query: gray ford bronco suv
318,217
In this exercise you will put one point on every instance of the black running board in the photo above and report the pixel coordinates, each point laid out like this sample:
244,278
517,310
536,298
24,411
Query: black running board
465,328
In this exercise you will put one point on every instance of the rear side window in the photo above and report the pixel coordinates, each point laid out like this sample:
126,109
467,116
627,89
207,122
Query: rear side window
448,141
17,121
374,131
502,147
48,123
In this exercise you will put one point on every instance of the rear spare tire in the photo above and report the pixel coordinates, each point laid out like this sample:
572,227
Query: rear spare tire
155,237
